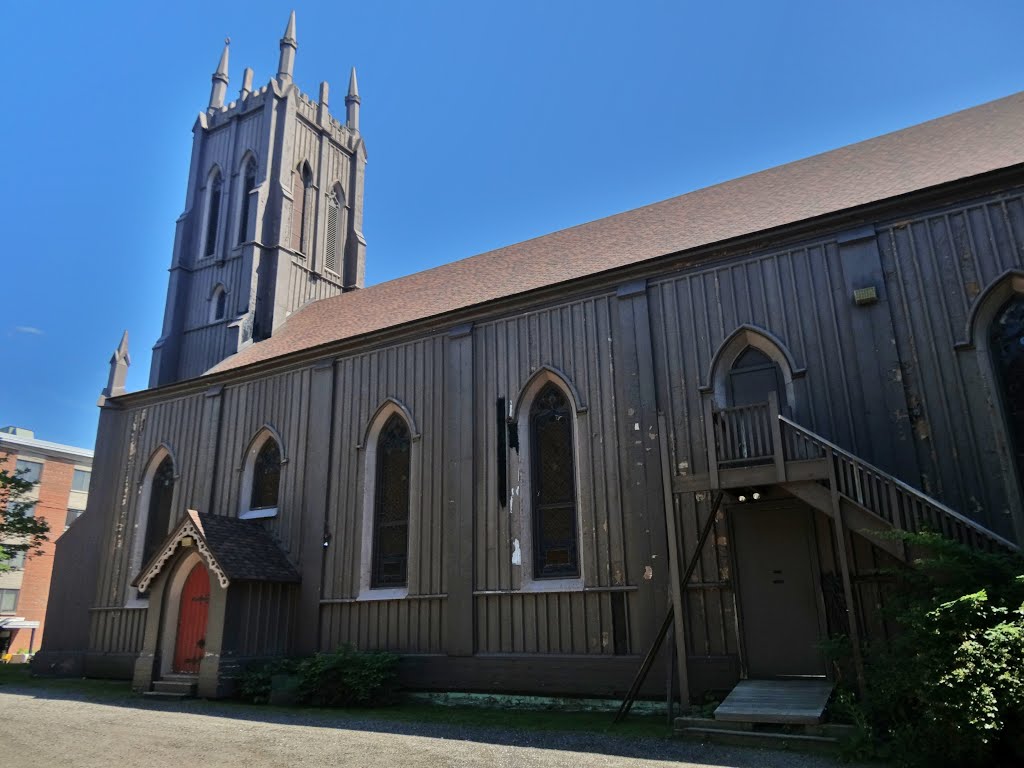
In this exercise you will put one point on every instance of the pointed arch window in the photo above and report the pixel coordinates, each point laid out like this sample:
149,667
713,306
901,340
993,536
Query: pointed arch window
389,567
158,511
302,193
752,376
248,184
334,233
1006,341
213,194
261,480
555,531
218,303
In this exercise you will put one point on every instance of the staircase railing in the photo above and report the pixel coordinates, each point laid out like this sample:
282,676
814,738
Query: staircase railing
743,434
901,505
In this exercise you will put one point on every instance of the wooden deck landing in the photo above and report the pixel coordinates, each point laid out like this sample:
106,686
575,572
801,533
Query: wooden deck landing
776,701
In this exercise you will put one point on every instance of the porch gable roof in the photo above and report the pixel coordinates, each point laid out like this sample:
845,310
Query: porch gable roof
233,549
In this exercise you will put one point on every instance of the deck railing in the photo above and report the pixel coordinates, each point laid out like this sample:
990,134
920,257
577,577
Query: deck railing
743,435
901,505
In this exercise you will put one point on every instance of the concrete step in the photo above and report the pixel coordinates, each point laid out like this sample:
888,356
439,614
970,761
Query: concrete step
177,686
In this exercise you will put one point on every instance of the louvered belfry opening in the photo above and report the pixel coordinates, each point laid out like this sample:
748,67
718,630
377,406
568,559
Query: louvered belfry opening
248,185
391,505
1007,344
553,475
302,181
266,476
213,215
331,245
161,493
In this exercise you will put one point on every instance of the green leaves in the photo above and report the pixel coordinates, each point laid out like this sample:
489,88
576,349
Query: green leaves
20,530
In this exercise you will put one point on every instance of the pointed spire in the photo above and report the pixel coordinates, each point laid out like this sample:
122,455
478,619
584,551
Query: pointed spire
286,64
352,103
220,79
119,363
246,83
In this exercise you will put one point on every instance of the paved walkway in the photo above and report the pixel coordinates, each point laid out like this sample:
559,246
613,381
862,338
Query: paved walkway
66,731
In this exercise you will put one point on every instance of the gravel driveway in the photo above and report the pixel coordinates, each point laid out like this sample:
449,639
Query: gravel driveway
44,729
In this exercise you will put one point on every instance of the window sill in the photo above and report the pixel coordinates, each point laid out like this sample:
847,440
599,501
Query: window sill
552,585
258,514
395,593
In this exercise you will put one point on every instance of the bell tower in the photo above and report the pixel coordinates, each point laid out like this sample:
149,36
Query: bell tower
273,216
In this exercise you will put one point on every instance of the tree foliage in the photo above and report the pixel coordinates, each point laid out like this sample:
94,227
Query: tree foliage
948,687
20,530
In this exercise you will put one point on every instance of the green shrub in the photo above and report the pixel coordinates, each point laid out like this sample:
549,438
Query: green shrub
347,678
254,684
948,688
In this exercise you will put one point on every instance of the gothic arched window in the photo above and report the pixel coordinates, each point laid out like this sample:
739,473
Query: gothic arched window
302,183
247,185
391,505
335,201
213,192
218,303
1006,339
158,512
752,376
553,483
266,476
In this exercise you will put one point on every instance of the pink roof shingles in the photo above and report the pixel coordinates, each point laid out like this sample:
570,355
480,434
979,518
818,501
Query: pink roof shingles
964,144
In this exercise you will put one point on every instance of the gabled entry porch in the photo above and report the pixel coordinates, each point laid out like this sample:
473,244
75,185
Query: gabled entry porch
221,592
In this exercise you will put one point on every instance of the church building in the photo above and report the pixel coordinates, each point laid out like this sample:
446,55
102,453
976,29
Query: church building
516,469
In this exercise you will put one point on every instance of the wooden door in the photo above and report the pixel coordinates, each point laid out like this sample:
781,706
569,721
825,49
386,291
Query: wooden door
192,614
778,591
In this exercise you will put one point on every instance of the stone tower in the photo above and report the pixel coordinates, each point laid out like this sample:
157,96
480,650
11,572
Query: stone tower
273,217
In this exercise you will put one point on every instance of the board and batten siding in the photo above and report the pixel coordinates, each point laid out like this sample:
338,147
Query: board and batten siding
936,265
575,342
413,375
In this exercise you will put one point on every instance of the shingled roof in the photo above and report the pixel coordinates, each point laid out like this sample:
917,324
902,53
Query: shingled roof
975,141
234,550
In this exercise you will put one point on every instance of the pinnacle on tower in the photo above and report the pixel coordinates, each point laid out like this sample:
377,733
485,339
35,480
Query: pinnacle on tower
220,79
246,83
286,64
119,363
352,103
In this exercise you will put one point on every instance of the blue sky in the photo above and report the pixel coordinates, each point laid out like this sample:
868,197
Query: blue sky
486,124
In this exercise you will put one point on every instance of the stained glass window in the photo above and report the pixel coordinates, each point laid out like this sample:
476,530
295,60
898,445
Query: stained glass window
391,505
1007,343
555,532
266,476
161,494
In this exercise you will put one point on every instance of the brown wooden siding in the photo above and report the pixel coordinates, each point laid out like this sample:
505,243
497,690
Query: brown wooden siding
415,625
577,340
935,266
260,619
117,630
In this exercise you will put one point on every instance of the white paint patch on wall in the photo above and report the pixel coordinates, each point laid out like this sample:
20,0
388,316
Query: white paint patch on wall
517,553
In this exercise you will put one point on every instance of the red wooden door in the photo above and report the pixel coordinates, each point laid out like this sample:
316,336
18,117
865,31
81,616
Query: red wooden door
195,604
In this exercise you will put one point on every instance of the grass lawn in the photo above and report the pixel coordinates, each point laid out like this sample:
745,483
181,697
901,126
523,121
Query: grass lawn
16,676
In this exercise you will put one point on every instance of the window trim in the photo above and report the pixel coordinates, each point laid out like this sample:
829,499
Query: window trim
242,223
218,290
245,510
521,493
141,523
368,470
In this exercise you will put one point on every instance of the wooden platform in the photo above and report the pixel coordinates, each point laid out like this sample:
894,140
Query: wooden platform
776,701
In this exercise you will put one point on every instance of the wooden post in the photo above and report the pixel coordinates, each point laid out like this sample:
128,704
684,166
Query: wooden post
675,589
709,436
844,567
776,428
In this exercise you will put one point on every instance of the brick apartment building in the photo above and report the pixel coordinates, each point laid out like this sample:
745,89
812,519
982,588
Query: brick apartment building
61,474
